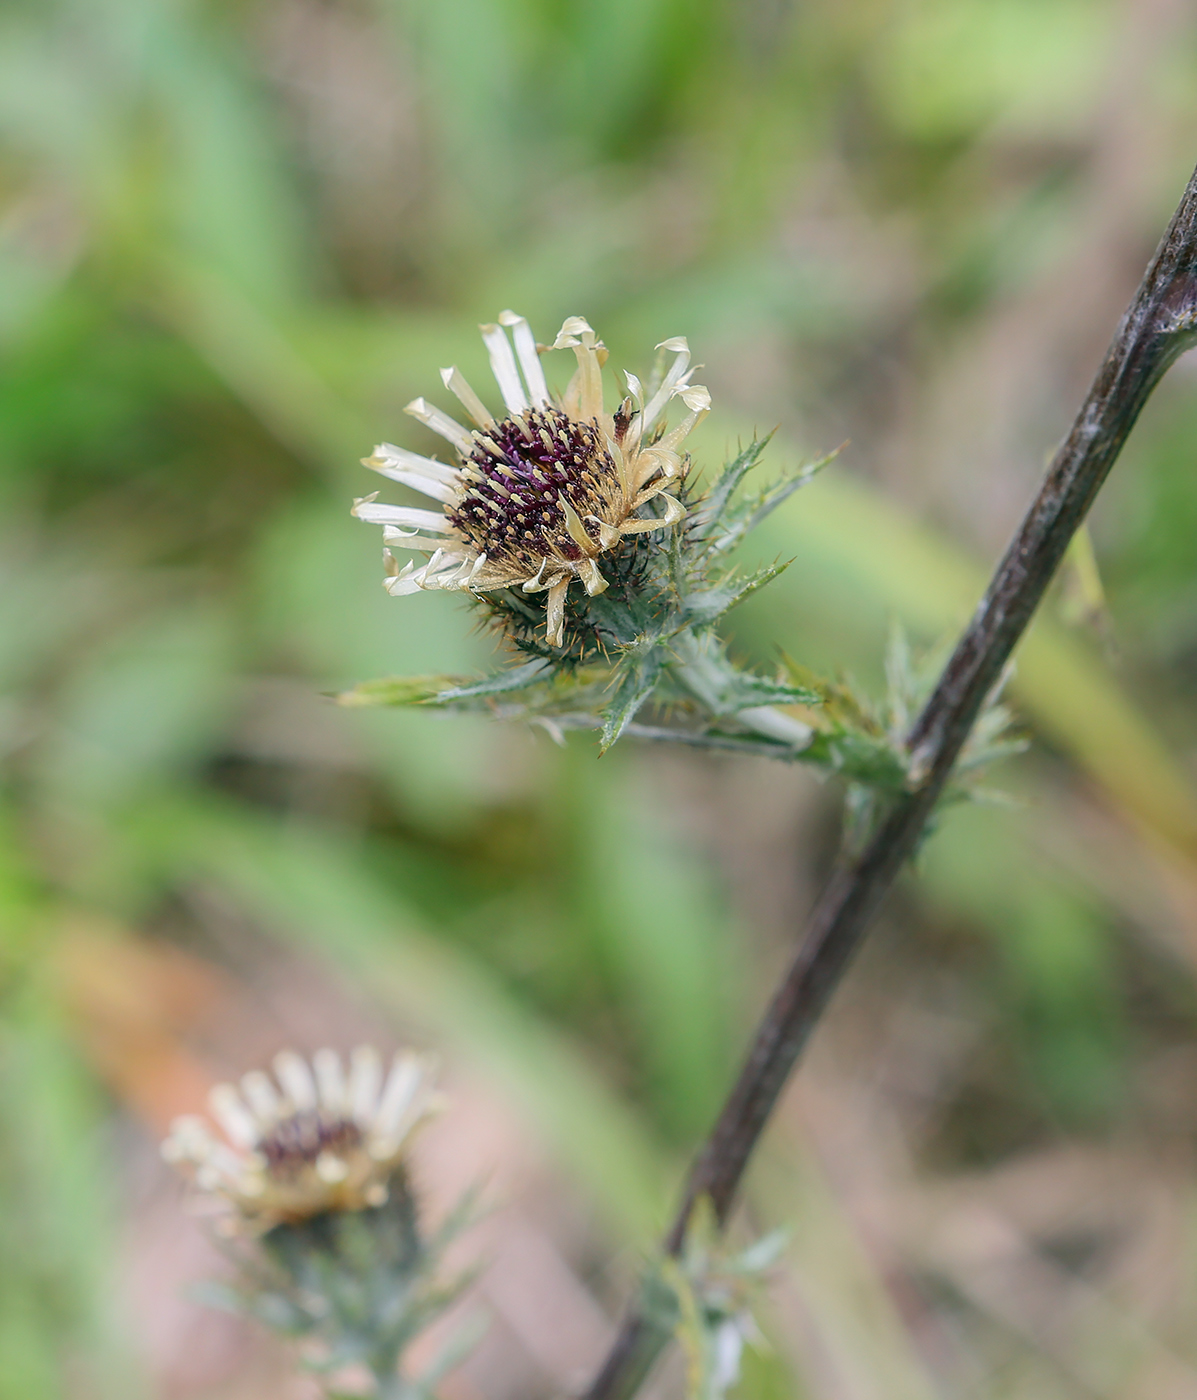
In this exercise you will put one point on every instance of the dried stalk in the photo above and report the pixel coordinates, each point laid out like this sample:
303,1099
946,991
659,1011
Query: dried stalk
1160,323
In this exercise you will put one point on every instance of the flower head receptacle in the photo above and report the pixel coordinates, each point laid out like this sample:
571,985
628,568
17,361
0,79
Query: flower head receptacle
536,497
311,1140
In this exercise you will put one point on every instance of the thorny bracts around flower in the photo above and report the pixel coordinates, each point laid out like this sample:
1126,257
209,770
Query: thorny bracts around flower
649,639
637,650
536,498
312,1140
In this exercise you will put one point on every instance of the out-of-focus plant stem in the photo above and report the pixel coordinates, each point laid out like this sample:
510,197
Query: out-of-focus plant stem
1160,323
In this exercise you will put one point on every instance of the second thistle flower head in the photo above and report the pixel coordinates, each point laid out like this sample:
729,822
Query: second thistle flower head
311,1140
536,497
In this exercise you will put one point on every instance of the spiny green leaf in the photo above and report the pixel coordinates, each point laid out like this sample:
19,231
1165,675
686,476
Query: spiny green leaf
702,666
862,757
708,512
394,691
744,516
707,605
746,690
440,690
639,670
501,683
762,1254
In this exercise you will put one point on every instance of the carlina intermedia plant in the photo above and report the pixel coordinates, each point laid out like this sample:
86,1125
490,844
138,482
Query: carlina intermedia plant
310,1178
309,1181
561,490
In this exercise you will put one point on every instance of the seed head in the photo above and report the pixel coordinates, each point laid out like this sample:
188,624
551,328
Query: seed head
311,1140
535,498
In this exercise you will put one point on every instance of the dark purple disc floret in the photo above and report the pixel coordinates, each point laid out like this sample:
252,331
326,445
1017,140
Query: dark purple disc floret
516,478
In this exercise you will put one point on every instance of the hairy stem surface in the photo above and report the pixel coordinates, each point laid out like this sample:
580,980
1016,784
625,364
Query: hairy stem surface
1159,324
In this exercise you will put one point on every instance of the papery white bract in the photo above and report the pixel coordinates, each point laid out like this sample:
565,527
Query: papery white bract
312,1139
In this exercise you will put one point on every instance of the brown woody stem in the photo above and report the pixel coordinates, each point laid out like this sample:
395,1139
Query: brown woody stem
1160,323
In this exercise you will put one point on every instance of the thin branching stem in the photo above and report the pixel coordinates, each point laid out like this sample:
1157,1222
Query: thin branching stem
1160,323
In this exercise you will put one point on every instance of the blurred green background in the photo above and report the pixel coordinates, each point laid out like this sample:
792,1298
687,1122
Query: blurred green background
236,236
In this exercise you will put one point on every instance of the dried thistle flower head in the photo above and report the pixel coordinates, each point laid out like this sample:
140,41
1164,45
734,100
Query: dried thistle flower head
312,1140
538,496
